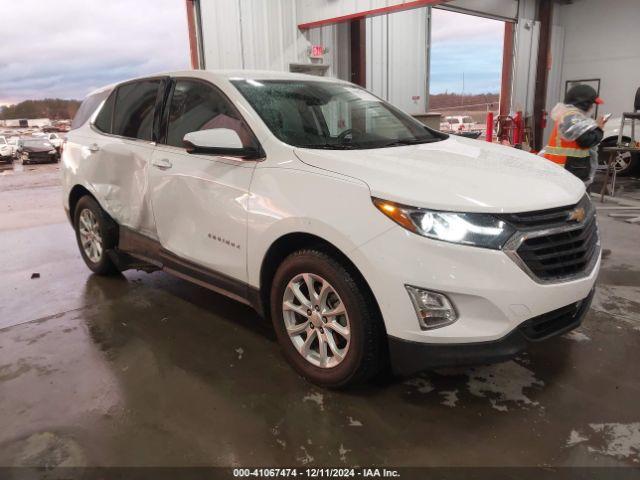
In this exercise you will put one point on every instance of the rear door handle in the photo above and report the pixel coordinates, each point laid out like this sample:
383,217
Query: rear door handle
162,164
94,147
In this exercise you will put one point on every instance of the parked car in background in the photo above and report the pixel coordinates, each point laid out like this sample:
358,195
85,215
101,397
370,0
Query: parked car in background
36,150
13,143
6,152
54,139
458,123
363,235
626,162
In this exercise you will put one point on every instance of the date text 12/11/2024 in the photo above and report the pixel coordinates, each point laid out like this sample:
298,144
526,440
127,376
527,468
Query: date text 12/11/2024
315,473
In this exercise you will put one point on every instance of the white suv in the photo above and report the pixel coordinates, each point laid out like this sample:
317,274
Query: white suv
362,234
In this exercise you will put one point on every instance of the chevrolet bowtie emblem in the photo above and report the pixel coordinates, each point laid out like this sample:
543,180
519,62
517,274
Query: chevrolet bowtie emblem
577,215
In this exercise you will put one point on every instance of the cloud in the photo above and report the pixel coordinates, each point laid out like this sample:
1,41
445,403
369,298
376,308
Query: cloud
68,48
465,44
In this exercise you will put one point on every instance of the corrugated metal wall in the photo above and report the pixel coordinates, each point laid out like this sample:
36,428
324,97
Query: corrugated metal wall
397,58
337,39
263,34
251,34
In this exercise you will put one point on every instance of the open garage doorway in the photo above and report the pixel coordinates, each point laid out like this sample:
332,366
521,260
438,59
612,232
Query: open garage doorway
466,69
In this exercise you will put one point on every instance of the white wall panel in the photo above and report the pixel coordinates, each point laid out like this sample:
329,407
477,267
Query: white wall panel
527,35
602,41
221,36
397,58
555,88
336,38
408,60
376,56
251,34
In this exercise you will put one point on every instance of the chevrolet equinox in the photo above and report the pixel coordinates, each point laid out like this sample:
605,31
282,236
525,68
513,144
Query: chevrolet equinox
367,238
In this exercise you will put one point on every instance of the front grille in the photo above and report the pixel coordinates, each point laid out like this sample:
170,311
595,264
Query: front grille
541,219
557,321
561,254
40,156
552,245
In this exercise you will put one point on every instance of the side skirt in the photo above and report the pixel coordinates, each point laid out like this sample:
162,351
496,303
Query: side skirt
143,253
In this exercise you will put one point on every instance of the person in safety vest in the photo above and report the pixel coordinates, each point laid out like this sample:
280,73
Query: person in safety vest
575,134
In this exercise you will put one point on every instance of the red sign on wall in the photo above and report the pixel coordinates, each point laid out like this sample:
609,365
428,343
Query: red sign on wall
317,51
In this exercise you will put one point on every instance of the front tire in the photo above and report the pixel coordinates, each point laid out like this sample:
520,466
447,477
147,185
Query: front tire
326,320
96,234
626,163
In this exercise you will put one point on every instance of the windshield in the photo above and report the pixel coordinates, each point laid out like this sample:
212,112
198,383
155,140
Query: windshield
316,114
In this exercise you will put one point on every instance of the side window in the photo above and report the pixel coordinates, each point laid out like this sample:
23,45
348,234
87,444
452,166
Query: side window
197,106
134,109
103,120
87,108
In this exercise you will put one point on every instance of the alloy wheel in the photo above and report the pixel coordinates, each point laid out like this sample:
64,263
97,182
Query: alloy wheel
316,320
90,236
622,161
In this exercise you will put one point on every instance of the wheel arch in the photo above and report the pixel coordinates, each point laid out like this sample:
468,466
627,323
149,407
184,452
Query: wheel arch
285,245
614,139
75,194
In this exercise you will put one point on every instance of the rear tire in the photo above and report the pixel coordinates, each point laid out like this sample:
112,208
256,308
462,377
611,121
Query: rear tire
341,361
96,234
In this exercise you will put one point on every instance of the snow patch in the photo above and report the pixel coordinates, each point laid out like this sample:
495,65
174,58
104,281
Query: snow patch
577,336
575,438
343,453
502,383
304,458
450,398
621,440
353,422
317,398
422,385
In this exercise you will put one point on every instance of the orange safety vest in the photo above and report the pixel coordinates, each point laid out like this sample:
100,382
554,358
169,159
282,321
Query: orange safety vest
560,148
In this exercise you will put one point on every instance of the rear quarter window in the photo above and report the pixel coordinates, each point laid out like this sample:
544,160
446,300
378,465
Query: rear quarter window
87,108
104,119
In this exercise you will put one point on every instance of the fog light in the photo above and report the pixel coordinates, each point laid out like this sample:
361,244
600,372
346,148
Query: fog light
434,310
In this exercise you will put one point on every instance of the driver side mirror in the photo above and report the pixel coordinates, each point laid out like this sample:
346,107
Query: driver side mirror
219,141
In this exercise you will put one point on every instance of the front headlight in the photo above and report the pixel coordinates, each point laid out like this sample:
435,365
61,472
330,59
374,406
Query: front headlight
477,229
52,151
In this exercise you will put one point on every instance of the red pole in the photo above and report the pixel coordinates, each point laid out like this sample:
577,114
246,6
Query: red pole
517,129
489,126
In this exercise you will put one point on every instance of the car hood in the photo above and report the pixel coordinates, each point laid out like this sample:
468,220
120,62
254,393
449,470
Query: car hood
36,149
455,174
612,128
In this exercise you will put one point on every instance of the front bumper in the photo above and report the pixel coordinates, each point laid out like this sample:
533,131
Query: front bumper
409,357
492,295
40,158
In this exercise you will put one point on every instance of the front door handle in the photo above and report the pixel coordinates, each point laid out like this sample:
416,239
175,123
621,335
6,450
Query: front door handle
162,164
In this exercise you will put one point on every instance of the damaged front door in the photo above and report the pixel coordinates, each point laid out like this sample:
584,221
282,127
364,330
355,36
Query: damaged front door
199,200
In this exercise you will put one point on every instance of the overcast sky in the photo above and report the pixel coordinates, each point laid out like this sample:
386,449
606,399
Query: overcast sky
464,43
66,48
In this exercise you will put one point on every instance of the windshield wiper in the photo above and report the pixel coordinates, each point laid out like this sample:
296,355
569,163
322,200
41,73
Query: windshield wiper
410,141
331,146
